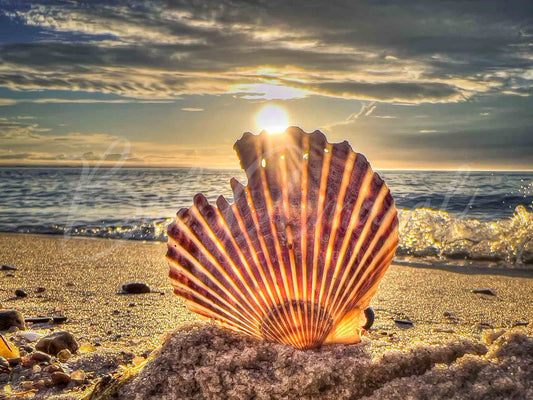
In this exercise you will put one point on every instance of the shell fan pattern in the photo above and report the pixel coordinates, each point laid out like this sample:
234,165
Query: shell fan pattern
298,256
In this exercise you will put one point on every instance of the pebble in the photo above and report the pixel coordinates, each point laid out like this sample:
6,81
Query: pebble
52,368
135,288
483,325
64,355
6,267
444,330
30,336
60,378
20,293
13,362
404,322
10,318
4,363
70,284
57,341
448,314
40,289
486,291
115,312
26,385
132,304
59,319
40,356
78,376
10,275
520,323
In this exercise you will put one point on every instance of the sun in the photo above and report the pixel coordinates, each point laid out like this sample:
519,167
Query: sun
273,119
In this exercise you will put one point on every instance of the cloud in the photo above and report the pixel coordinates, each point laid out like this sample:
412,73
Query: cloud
9,102
365,111
427,52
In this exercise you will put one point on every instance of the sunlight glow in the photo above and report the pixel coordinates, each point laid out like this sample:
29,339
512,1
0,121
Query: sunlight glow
273,119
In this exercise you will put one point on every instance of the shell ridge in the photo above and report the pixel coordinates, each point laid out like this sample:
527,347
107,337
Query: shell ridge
216,273
281,266
390,214
290,249
264,303
237,315
270,268
228,260
318,231
359,237
341,191
349,215
243,203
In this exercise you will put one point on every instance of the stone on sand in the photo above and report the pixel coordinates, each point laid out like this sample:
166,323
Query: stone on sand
9,318
57,341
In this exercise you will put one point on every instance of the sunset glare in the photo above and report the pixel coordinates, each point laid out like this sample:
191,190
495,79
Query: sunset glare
272,119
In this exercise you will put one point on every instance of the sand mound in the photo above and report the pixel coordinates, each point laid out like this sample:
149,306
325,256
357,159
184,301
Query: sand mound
205,362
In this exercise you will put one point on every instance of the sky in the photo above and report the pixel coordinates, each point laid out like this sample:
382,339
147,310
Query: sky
411,84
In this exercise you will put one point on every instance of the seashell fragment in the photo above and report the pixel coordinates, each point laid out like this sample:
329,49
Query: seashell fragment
298,256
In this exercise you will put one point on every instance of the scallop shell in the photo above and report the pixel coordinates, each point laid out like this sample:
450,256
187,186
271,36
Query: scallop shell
298,256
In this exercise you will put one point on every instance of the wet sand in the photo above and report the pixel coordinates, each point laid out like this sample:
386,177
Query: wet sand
82,276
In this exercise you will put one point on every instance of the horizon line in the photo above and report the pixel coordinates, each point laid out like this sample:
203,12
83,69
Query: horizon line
152,166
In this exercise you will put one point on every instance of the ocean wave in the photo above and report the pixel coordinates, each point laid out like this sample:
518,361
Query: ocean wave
434,233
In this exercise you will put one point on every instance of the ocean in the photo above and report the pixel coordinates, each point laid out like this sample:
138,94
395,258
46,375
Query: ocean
472,216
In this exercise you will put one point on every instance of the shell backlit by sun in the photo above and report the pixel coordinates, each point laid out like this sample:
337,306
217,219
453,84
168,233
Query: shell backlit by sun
298,256
272,119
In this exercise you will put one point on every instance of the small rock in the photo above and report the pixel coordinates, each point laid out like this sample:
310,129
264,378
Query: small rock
484,325
520,323
21,293
57,341
132,304
486,291
448,314
4,363
404,323
9,318
30,336
36,369
13,362
40,384
40,289
135,288
28,349
38,320
10,275
444,330
70,284
59,319
6,267
60,378
491,336
78,376
115,312
64,355
28,362
52,368
26,385
40,356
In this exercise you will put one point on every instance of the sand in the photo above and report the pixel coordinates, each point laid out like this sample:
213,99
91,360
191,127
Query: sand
114,331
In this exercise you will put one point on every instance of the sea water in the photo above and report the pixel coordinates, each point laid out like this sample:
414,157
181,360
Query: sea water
451,215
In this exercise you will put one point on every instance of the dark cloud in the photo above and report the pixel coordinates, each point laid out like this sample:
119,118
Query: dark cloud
419,52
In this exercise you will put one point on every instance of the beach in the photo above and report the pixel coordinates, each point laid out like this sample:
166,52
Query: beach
82,276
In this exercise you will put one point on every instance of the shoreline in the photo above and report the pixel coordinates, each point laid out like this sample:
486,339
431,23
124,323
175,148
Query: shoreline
118,329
